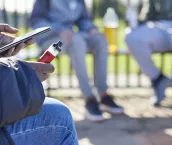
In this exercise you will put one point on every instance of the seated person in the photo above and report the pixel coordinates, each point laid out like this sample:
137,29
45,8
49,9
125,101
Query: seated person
62,15
150,37
24,120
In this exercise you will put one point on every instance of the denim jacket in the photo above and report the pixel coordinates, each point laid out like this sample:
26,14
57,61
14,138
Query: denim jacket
60,15
21,94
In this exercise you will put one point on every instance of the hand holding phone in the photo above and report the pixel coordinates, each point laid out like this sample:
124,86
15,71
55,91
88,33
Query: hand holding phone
5,39
24,39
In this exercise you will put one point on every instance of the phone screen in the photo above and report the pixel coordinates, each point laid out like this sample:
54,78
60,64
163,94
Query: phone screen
24,38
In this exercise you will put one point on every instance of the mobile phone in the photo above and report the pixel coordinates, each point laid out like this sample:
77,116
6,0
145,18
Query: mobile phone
24,38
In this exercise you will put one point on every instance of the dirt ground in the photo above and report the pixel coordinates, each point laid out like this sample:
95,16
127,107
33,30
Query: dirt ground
142,124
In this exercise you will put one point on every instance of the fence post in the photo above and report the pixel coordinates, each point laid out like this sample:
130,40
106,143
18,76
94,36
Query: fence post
93,8
15,15
26,16
4,13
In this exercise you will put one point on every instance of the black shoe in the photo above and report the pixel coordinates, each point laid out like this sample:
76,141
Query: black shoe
93,112
159,86
108,105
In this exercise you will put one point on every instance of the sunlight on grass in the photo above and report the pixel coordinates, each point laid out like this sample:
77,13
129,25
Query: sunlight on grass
125,64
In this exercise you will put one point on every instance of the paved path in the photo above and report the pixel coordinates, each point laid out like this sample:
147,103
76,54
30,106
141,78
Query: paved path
142,124
121,80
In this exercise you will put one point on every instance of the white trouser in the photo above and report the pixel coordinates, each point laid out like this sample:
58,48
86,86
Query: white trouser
150,38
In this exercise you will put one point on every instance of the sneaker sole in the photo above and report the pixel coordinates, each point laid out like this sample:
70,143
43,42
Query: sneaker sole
95,118
114,111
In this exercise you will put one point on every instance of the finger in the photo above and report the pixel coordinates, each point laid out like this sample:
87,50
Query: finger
8,29
9,52
42,67
46,68
23,45
30,42
42,76
5,39
18,48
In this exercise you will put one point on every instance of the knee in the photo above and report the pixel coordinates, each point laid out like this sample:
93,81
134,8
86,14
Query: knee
78,40
100,43
99,39
137,39
130,38
99,36
78,46
133,41
57,112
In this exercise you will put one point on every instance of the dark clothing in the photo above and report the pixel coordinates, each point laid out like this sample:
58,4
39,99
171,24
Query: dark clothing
154,10
21,94
60,16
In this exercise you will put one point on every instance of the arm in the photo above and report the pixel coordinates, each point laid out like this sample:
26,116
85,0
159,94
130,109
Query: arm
21,92
39,16
85,21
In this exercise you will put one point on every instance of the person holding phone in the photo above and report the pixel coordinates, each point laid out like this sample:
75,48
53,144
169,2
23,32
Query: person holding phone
22,39
26,117
61,16
5,39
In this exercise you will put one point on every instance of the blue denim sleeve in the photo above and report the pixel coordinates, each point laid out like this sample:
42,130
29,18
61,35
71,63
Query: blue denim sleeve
21,92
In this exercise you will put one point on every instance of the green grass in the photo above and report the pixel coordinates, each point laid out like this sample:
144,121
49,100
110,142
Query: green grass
121,60
125,65
64,66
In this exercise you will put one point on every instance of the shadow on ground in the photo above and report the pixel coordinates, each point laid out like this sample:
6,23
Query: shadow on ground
123,130
142,124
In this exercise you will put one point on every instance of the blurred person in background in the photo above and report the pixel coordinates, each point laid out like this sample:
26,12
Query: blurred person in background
25,117
62,15
151,36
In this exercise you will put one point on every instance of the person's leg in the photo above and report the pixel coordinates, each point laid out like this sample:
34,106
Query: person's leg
144,41
98,45
77,52
52,126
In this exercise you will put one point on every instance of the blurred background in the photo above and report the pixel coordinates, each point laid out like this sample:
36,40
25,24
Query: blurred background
123,70
142,124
